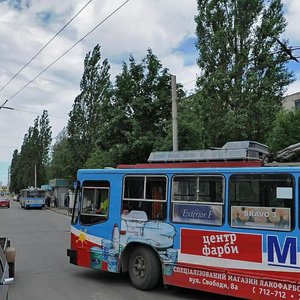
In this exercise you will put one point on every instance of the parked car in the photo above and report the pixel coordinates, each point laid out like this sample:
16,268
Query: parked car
4,202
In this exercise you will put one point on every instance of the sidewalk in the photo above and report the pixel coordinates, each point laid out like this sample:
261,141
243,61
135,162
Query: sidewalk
60,210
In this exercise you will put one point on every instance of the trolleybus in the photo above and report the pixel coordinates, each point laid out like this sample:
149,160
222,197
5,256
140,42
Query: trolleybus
224,227
32,198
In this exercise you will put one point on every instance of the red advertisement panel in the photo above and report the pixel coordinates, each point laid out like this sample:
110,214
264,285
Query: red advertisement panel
228,245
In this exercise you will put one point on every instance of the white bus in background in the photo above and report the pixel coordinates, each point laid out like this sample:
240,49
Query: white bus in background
32,198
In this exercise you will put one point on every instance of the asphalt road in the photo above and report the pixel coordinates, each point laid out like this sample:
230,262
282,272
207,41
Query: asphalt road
43,271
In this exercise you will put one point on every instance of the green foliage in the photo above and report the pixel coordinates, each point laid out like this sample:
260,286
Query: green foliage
99,159
34,155
14,173
109,125
243,69
60,166
87,117
285,131
141,110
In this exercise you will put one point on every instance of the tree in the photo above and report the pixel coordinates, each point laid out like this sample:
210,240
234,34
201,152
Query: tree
141,111
285,131
99,159
14,187
59,166
43,141
33,155
189,127
243,69
86,117
109,124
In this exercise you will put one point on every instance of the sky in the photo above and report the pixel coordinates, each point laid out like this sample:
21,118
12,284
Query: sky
165,26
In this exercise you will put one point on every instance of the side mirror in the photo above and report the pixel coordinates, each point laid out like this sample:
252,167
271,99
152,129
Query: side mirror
76,185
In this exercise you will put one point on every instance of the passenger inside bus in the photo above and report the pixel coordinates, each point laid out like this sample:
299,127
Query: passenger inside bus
103,203
157,207
103,207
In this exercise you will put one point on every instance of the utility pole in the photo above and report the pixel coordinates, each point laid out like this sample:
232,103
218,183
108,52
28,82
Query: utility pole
35,177
174,113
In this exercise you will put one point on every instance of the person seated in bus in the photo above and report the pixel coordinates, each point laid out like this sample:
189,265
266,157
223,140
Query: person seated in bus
102,210
157,207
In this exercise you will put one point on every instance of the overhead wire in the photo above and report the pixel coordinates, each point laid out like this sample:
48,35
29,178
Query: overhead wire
32,112
4,86
189,82
68,50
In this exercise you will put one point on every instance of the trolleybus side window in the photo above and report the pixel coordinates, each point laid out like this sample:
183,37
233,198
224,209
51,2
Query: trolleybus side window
146,193
94,202
198,199
262,201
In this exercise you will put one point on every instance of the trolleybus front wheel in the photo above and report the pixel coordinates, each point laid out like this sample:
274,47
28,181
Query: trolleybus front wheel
144,268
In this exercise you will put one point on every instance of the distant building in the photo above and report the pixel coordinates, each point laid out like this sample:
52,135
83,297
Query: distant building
292,101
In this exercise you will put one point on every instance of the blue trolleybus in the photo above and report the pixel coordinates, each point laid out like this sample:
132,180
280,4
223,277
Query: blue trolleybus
227,227
32,198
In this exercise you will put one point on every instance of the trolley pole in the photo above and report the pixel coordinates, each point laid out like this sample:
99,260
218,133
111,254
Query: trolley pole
174,113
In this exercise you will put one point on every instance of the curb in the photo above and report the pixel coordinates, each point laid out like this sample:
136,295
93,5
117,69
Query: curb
59,211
